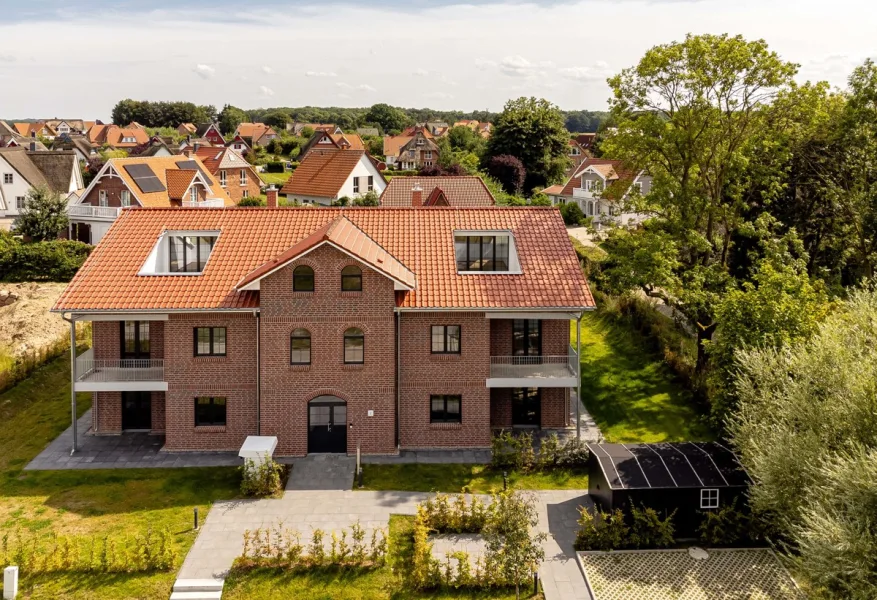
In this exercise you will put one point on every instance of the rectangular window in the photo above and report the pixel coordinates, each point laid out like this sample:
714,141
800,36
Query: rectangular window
243,177
482,253
126,198
300,348
709,498
445,339
223,178
638,186
210,341
445,408
7,178
371,183
20,202
189,254
209,411
354,348
356,185
102,197
193,194
245,194
526,337
427,154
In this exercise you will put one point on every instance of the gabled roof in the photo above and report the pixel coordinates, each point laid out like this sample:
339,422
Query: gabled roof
413,143
348,141
322,174
468,190
348,238
217,158
615,172
25,129
178,182
57,166
554,190
422,241
392,144
203,128
18,159
112,135
190,127
254,131
437,198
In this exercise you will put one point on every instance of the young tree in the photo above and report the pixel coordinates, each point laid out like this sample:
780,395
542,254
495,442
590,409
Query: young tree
532,131
44,215
510,545
509,171
806,432
688,114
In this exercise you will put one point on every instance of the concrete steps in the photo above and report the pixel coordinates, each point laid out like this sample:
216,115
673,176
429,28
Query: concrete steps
197,589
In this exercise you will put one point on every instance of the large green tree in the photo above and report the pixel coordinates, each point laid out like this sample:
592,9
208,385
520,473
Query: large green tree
229,119
688,114
388,117
806,431
532,131
44,215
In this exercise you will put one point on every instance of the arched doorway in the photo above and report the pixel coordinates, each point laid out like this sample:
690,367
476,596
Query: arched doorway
327,425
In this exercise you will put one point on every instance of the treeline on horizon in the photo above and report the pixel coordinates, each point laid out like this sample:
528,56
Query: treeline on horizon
171,114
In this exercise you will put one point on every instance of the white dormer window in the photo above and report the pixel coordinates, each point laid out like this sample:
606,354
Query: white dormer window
485,252
180,253
243,177
125,196
129,140
587,184
223,178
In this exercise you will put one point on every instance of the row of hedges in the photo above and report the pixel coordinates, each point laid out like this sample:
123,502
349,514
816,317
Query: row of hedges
56,260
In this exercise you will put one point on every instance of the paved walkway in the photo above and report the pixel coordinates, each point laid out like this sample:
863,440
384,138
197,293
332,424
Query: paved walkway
305,507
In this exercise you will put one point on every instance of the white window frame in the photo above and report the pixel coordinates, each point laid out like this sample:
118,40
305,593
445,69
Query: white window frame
588,185
193,193
223,177
243,177
427,154
638,186
102,198
356,185
371,183
7,178
125,197
709,498
20,202
245,194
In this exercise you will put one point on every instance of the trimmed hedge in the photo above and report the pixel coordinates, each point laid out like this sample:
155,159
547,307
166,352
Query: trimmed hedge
56,260
275,167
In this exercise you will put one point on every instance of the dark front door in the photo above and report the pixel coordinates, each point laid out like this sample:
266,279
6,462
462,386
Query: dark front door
526,407
136,410
327,425
135,343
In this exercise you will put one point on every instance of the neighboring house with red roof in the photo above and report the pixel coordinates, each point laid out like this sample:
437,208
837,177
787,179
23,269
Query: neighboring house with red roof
297,128
600,187
118,138
326,176
35,129
256,134
413,151
577,155
323,140
236,176
210,132
332,329
463,191
142,181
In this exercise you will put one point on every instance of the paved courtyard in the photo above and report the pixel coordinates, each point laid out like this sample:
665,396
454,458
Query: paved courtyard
318,496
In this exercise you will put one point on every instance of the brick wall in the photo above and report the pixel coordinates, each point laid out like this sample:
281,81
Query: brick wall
233,184
553,407
232,376
555,337
424,374
113,186
326,313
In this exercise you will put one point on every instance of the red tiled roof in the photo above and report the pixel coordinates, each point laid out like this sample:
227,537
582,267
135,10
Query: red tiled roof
178,182
618,166
462,191
322,174
420,240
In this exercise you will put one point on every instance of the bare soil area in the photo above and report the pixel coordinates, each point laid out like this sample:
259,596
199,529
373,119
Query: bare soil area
25,321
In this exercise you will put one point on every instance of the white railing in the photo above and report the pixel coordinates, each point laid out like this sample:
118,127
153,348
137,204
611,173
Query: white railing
546,366
583,193
88,369
209,203
89,211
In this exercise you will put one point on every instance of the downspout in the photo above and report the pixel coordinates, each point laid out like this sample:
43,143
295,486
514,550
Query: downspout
257,314
72,322
579,376
398,372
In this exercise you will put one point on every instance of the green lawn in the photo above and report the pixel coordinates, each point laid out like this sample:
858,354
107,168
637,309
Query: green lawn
90,502
629,391
349,584
277,179
478,479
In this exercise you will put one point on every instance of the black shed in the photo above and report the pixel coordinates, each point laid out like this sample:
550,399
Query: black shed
688,477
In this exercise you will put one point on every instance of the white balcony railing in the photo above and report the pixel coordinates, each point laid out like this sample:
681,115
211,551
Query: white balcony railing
534,367
583,193
125,370
209,203
93,212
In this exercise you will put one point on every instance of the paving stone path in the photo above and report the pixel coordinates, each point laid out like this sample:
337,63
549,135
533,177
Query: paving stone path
305,507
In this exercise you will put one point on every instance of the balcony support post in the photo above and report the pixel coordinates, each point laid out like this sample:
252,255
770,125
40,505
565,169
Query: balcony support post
73,411
579,377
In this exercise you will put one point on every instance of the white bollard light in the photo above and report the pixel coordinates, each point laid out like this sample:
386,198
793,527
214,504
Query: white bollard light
10,583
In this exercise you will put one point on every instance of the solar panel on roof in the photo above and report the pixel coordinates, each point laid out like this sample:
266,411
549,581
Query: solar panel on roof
193,164
145,178
727,463
140,170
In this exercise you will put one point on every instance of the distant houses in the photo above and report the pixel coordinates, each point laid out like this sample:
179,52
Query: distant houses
22,169
415,150
464,191
325,177
255,134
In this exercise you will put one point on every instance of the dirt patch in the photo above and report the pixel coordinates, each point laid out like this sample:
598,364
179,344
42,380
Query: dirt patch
25,321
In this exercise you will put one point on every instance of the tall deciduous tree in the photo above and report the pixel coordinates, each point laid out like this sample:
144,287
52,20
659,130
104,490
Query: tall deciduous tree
388,117
229,119
688,114
509,171
531,130
806,432
44,215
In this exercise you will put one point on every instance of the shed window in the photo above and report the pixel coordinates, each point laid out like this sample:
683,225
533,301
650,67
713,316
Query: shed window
209,411
351,279
354,346
303,279
709,498
300,347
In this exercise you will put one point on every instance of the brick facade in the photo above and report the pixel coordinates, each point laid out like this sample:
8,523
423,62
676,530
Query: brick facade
233,183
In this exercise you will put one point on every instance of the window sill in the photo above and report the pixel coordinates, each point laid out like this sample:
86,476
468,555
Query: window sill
352,366
351,294
211,358
302,294
299,367
209,428
436,357
445,425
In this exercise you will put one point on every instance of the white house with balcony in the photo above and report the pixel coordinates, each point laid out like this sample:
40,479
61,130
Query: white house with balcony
22,169
601,188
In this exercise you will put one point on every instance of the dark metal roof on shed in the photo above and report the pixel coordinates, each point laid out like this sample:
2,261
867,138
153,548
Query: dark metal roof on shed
669,465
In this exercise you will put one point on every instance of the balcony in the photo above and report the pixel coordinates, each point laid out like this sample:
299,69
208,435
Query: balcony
534,371
209,203
583,193
122,375
87,211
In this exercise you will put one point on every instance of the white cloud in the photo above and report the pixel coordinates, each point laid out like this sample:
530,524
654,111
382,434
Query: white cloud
598,72
266,91
320,74
420,72
516,66
484,64
204,71
267,70
344,86
366,87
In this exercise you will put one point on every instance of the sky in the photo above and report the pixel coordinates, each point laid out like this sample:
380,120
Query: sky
77,58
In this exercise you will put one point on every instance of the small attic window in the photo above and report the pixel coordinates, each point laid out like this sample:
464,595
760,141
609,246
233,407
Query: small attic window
486,252
180,253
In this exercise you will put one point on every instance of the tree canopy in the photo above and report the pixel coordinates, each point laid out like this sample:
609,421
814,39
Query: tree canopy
161,114
44,215
389,118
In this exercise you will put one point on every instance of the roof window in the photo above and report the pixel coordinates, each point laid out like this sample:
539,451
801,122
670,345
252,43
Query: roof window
180,253
486,252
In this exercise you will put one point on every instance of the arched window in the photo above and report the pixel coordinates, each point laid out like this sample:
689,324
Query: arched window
351,279
303,279
354,346
300,347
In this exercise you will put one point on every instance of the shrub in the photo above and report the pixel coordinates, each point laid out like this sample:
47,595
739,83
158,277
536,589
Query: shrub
510,451
251,201
590,257
275,167
283,547
44,215
56,260
572,214
443,515
261,479
644,529
648,530
726,526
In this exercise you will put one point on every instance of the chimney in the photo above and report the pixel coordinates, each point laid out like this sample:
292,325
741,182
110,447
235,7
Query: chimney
271,196
417,195
33,146
197,145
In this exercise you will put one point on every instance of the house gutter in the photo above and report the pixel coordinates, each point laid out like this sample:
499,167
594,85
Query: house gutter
257,315
398,372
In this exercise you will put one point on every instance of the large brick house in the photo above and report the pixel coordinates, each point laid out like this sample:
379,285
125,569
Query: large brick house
235,175
413,151
389,328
